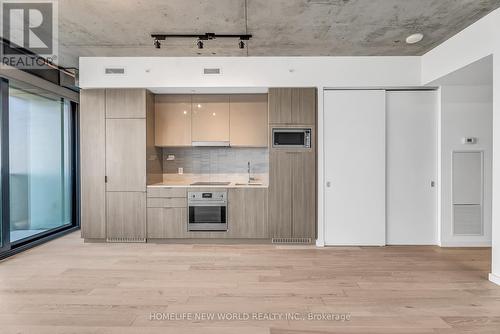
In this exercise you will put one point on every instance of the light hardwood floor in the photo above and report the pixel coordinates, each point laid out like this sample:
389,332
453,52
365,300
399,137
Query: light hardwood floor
66,286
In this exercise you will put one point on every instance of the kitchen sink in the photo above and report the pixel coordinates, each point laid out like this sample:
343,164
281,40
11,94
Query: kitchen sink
249,184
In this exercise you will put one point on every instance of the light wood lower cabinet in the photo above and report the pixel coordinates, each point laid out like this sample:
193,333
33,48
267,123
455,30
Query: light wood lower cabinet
247,213
126,216
280,192
304,195
167,223
167,192
167,202
167,216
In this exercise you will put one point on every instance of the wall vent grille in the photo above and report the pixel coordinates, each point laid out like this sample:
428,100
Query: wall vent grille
291,240
126,240
467,220
114,70
212,71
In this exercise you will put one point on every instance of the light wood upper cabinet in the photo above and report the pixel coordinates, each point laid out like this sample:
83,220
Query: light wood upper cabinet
93,163
280,105
173,120
210,118
125,103
304,106
295,106
248,120
126,154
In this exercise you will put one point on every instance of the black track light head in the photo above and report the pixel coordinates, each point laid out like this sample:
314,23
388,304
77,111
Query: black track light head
157,43
201,38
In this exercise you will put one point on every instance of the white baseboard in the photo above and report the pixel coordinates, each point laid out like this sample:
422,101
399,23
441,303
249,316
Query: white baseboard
413,244
494,278
486,243
320,243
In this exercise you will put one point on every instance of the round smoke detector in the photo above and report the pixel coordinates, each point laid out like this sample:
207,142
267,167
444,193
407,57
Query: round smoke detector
415,38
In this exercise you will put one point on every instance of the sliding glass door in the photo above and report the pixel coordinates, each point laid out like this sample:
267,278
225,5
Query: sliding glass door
40,167
4,215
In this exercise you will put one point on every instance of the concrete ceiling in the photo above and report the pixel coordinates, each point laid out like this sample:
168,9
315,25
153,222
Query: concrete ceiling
280,27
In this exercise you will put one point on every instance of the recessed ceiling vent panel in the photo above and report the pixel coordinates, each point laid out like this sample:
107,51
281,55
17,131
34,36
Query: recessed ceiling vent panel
212,70
114,70
468,189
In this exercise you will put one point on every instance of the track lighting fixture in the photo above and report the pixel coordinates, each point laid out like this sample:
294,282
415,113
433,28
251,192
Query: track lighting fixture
157,43
201,38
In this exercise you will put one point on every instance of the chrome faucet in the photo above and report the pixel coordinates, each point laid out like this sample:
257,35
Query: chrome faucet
250,179
248,169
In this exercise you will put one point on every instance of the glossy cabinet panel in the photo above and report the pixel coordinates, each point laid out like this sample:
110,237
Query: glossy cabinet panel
210,118
173,120
248,120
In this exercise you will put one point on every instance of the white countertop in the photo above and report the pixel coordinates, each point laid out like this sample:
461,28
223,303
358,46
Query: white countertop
189,185
187,180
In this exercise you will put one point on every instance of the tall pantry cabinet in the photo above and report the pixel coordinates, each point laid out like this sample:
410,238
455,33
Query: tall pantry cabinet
292,171
113,164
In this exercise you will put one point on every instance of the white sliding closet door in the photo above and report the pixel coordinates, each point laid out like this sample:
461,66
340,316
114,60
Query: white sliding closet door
411,167
355,162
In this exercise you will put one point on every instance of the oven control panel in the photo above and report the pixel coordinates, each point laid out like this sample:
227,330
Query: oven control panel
195,196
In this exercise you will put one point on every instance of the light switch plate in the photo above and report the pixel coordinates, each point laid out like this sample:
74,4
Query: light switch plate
469,140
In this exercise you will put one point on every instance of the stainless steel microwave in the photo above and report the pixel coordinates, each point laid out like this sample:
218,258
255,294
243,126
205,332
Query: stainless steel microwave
291,137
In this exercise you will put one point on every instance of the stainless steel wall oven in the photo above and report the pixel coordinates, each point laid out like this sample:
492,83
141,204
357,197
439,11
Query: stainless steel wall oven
207,211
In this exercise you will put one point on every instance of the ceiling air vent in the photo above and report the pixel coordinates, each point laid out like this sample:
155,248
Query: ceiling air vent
114,70
212,71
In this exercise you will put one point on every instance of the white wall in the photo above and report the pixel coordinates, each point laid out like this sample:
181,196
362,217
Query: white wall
466,111
475,42
161,72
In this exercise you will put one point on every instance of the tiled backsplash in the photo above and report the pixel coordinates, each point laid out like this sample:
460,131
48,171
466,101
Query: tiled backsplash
216,160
